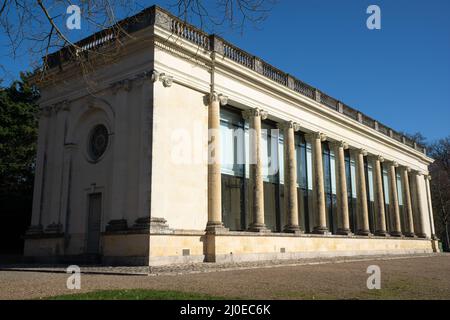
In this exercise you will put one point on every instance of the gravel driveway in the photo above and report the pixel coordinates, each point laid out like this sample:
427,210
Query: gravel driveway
404,278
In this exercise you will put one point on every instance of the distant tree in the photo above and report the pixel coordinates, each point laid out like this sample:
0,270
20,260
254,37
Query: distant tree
37,28
417,137
18,133
440,188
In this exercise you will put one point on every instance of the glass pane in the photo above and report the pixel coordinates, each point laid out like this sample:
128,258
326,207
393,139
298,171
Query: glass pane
232,202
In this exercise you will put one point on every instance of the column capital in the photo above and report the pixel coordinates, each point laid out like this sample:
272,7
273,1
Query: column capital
256,112
417,172
392,163
339,144
214,97
428,177
316,135
405,168
376,157
288,124
166,80
360,151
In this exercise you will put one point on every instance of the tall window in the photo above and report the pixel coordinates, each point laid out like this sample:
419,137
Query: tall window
271,148
304,182
400,201
233,169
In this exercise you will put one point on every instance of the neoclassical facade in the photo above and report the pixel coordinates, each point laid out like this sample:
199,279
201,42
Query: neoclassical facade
184,148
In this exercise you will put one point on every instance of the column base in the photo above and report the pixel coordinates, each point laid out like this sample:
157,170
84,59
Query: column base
321,230
421,235
216,227
397,234
409,234
381,233
258,227
344,232
290,228
365,233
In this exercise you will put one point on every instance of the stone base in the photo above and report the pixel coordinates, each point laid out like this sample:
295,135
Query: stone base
183,246
247,246
421,235
344,232
409,234
381,233
54,228
216,227
321,230
397,234
364,233
34,230
256,227
293,229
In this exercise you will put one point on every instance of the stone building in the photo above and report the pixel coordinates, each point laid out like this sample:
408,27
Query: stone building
191,149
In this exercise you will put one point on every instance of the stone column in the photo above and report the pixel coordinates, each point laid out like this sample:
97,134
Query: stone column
380,227
254,117
361,194
409,221
290,176
341,186
430,207
316,139
214,165
417,176
394,209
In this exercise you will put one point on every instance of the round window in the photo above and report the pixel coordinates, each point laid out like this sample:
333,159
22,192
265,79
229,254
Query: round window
98,141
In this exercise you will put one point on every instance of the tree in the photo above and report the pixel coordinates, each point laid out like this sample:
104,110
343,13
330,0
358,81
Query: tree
440,188
37,28
18,133
417,137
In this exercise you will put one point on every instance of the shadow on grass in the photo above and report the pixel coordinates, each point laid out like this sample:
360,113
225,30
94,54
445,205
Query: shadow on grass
136,294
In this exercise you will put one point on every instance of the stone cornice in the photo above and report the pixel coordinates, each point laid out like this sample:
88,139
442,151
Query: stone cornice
202,45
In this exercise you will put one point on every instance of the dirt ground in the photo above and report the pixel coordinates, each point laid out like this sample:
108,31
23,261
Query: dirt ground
405,278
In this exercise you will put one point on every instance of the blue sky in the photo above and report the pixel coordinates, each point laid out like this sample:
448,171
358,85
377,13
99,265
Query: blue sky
399,75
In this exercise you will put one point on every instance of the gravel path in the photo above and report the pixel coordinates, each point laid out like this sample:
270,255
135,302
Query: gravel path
425,277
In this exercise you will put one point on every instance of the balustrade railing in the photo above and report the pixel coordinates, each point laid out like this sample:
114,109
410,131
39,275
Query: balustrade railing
161,18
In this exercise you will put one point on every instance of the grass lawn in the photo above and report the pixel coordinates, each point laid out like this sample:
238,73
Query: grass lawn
136,294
